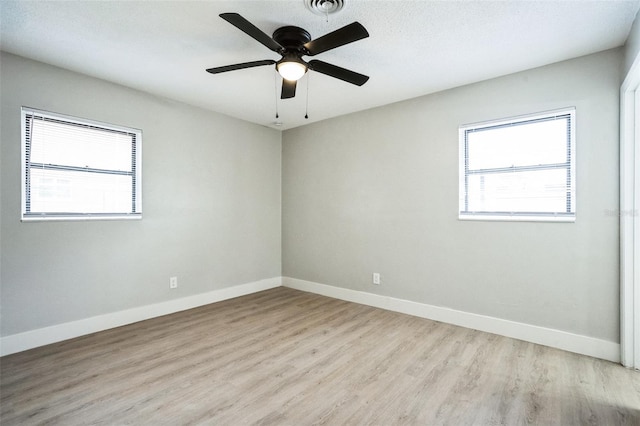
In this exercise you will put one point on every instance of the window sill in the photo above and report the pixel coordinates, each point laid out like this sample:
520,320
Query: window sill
84,217
516,218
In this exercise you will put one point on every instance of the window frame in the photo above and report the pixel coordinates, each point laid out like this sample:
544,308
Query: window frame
463,172
136,173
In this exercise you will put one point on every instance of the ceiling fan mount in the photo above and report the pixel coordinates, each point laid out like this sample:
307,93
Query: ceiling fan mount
292,38
292,43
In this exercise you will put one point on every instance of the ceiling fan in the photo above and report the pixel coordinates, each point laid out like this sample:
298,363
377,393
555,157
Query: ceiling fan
292,43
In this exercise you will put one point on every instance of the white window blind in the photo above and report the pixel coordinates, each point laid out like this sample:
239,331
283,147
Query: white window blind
519,169
79,169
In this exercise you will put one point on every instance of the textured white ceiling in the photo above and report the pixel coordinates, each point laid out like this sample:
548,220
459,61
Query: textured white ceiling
414,48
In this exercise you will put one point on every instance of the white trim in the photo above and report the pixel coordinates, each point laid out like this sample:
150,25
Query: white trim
514,218
544,336
630,218
78,120
85,217
56,333
558,112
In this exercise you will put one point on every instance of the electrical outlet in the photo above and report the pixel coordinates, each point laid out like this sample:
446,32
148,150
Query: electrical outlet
376,278
173,282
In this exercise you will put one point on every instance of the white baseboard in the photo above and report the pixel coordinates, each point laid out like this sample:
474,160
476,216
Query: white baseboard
57,333
576,343
585,345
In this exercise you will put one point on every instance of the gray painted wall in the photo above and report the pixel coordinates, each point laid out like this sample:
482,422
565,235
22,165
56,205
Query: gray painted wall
211,206
377,191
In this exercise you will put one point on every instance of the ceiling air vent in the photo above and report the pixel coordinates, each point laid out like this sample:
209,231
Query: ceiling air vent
324,7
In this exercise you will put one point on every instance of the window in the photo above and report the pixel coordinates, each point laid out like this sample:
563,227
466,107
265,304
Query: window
519,169
78,169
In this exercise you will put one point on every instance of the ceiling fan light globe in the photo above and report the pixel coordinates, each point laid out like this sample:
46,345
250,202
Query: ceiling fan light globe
292,71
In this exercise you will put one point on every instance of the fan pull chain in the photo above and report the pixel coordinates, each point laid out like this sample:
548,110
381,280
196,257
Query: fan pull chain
275,88
306,112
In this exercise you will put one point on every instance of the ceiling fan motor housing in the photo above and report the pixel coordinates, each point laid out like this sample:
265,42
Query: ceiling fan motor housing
292,38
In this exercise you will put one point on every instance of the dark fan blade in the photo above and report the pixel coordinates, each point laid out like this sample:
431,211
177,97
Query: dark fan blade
288,89
226,68
340,37
251,30
338,72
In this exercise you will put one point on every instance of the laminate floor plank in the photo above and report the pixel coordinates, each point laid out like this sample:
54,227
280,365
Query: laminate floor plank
285,357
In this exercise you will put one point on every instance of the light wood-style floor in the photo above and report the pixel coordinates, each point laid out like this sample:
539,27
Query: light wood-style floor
285,357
